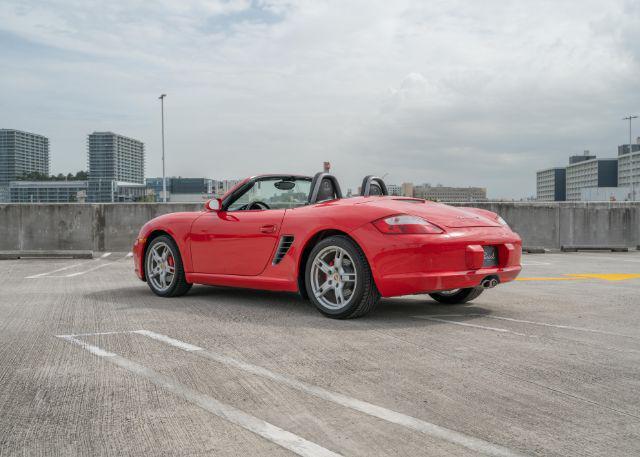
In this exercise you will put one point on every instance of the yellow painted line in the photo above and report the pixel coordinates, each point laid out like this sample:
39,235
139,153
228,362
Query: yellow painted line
609,276
546,279
571,277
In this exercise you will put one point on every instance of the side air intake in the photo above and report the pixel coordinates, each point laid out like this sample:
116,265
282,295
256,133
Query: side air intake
283,247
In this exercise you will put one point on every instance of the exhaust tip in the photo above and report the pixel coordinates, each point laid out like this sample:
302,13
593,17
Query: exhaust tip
489,283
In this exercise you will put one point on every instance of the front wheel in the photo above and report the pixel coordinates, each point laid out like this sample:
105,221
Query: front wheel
457,296
163,268
338,279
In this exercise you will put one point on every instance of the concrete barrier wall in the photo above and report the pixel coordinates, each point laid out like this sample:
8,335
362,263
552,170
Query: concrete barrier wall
552,225
113,227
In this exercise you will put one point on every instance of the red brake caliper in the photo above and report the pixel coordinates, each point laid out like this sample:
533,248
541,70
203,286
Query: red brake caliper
170,261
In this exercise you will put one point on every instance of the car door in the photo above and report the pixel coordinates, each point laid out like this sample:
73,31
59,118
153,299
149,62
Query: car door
235,242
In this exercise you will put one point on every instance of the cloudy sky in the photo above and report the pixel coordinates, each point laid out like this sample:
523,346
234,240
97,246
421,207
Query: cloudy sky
452,92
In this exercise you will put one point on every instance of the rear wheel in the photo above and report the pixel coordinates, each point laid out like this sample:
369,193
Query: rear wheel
339,280
457,296
163,268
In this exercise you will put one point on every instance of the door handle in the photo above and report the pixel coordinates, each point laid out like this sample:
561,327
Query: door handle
268,228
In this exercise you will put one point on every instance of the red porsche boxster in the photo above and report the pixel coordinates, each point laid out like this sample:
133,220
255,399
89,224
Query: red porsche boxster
298,234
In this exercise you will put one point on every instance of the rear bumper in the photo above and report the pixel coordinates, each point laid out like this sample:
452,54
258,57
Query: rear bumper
413,264
415,283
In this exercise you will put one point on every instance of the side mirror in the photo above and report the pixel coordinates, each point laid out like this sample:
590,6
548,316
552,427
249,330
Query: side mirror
215,204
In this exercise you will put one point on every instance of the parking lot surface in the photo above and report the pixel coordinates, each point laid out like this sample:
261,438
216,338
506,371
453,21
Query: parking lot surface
92,363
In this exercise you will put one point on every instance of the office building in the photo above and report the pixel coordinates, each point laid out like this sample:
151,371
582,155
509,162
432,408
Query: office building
450,194
48,191
551,185
581,158
22,153
605,194
624,148
116,168
224,186
629,168
407,189
183,189
394,189
589,173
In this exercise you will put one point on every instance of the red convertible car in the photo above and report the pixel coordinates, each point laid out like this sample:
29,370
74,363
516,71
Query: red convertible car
298,234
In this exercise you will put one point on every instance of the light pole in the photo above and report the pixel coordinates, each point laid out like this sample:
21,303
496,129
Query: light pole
164,178
633,187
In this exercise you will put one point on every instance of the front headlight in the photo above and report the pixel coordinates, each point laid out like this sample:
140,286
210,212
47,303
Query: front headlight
502,222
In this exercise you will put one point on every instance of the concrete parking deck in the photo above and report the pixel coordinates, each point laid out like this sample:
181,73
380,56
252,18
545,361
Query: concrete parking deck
94,364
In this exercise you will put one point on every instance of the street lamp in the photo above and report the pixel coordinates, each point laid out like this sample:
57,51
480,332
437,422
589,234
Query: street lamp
164,178
633,187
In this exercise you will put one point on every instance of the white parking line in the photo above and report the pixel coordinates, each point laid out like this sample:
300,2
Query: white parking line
544,324
275,434
106,254
68,267
534,263
465,324
130,254
474,444
102,265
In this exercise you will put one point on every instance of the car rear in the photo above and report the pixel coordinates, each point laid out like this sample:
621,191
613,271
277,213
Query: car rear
438,248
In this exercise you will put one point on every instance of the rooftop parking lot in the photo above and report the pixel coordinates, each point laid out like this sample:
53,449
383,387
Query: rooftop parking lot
92,363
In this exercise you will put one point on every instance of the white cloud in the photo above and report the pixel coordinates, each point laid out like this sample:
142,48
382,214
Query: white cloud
460,92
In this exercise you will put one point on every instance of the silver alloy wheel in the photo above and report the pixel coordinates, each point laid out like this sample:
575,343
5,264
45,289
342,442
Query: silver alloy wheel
161,268
333,277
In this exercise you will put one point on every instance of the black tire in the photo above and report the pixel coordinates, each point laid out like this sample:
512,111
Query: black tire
179,285
458,298
363,298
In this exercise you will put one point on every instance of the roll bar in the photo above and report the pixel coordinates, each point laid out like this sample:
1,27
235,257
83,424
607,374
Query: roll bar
370,180
316,187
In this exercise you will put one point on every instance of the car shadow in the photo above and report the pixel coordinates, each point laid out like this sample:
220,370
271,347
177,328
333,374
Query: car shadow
280,309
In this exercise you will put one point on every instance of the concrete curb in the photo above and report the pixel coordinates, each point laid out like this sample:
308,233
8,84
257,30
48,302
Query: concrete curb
46,254
534,250
594,248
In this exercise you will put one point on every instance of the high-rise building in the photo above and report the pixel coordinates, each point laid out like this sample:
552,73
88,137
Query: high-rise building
22,153
551,185
581,158
116,168
590,173
629,168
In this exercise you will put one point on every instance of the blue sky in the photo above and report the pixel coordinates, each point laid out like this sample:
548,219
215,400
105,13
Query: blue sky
453,92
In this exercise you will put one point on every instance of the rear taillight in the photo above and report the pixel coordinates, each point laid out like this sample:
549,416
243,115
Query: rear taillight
405,224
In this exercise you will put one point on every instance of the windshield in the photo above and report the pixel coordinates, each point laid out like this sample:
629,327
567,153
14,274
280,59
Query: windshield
273,193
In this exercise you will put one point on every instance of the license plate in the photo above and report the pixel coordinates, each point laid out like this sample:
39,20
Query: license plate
490,256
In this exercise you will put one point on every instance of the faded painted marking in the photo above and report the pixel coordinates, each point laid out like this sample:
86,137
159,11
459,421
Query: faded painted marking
68,267
533,262
275,434
523,321
105,255
102,265
168,340
94,334
95,350
465,324
474,444
130,254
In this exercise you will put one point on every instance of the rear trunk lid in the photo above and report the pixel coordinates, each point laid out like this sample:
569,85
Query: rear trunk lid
439,214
